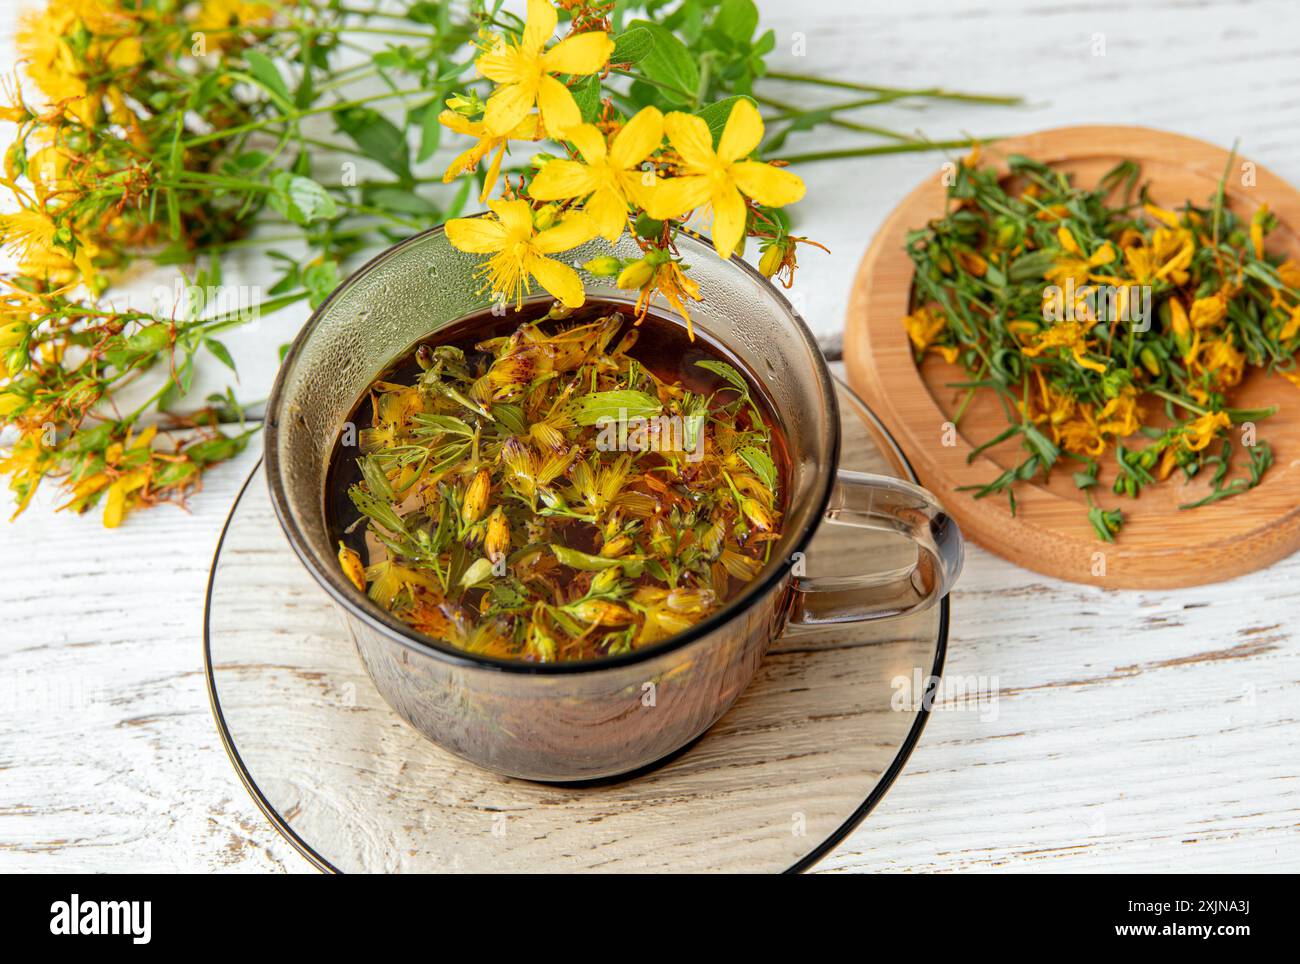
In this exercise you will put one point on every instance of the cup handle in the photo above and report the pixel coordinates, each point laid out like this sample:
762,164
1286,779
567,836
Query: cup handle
889,505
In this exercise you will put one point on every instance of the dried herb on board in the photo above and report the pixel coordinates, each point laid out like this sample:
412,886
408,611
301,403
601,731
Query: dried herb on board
546,496
1105,323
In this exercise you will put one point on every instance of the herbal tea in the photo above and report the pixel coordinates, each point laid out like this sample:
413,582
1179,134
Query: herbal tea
565,487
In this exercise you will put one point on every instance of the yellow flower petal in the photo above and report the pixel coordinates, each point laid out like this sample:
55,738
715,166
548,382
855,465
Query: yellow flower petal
460,123
516,216
507,107
466,161
502,64
608,213
690,136
115,504
476,235
638,139
559,279
539,25
574,230
585,53
1103,255
589,141
493,172
743,132
558,108
674,196
560,179
773,186
729,214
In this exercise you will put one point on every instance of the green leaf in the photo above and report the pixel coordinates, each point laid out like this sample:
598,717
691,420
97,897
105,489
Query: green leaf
738,19
401,201
621,403
220,352
448,424
669,65
217,449
320,280
300,199
715,115
762,464
586,94
430,131
267,74
378,138
586,562
728,373
150,339
632,45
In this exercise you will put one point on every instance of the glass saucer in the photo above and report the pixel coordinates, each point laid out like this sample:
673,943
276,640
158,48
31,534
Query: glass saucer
799,760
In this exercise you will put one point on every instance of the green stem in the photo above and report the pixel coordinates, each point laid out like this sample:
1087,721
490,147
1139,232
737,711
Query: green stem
904,148
296,115
793,111
933,93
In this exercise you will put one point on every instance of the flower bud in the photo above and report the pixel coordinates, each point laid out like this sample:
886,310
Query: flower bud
498,535
606,266
770,262
546,216
476,497
601,613
478,572
606,580
636,275
13,333
616,547
351,565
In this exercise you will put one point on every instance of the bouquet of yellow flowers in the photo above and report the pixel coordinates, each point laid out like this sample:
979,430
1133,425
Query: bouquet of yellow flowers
175,133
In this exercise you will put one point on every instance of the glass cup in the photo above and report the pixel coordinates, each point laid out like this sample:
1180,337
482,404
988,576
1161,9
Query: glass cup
591,719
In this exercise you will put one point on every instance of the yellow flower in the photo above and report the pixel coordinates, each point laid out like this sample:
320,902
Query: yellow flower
1119,416
1209,311
216,16
923,327
1166,259
670,281
1291,327
519,251
720,178
1065,334
1073,264
525,72
1289,272
1216,364
1257,230
50,62
1200,432
26,464
528,129
29,235
609,175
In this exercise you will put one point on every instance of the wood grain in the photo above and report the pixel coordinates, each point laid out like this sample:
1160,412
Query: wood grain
1161,545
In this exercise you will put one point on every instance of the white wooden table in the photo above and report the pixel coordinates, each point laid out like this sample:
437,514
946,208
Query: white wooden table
1132,731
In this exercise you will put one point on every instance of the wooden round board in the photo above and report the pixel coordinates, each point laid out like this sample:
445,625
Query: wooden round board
1160,546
